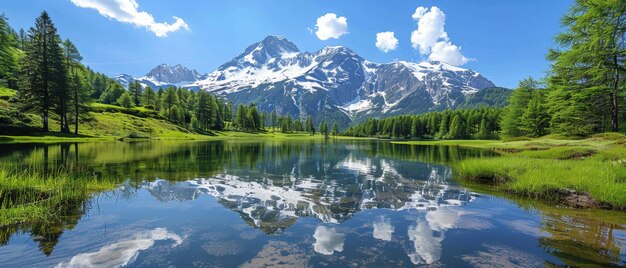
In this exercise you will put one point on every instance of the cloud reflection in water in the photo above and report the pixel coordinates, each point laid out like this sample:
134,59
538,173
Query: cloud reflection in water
327,240
122,253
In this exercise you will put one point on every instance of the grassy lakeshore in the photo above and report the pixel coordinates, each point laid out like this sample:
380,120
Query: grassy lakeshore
32,196
575,172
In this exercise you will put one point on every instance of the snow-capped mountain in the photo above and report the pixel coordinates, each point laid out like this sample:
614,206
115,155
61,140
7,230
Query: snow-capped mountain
336,84
163,76
333,84
124,79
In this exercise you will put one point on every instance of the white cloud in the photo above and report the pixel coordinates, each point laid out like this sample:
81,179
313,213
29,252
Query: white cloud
331,26
431,39
447,52
126,11
419,13
386,41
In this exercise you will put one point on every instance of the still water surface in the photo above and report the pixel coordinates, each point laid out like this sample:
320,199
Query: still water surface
335,203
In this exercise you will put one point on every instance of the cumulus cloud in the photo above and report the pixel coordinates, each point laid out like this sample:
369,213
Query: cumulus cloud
330,26
447,52
327,240
419,13
386,41
431,39
126,11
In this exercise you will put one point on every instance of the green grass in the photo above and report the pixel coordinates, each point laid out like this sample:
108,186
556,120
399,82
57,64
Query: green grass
107,122
541,178
33,196
6,93
542,167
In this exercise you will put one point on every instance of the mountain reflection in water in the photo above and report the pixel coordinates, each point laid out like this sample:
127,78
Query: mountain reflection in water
251,204
274,204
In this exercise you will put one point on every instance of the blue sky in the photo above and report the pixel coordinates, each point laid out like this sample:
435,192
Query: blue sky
504,40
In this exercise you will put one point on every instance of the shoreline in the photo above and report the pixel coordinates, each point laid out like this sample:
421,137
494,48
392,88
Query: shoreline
578,173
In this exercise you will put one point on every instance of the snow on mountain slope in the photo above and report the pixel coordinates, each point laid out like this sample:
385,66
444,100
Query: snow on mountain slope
163,76
336,81
333,84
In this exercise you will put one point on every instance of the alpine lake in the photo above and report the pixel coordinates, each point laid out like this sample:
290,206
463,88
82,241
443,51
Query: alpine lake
312,203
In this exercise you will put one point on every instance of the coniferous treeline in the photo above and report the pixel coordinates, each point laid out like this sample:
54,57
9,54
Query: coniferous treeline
481,123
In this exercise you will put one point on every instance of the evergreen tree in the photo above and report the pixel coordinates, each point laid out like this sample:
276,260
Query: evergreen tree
334,131
99,86
457,128
309,126
535,120
444,126
113,92
518,102
254,118
324,128
125,100
148,97
240,116
587,78
43,73
135,91
9,56
273,120
170,99
263,120
203,111
80,92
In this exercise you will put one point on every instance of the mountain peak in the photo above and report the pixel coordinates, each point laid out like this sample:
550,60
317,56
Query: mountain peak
273,37
275,45
259,53
165,73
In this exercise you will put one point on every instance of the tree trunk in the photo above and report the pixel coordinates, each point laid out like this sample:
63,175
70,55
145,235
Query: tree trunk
76,111
45,121
614,98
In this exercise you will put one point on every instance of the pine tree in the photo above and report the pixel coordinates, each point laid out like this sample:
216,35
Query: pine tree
309,126
113,92
254,118
125,100
458,129
80,92
334,131
518,102
587,77
535,120
148,97
43,74
263,119
273,120
170,99
444,127
203,111
324,128
8,55
135,91
240,116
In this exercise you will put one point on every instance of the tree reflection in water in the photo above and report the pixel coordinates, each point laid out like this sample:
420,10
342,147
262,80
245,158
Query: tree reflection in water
272,184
